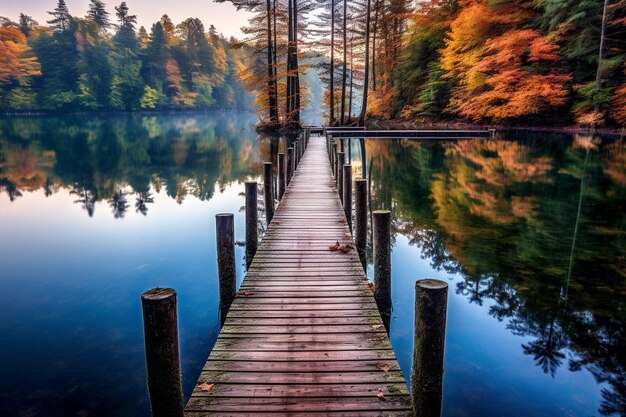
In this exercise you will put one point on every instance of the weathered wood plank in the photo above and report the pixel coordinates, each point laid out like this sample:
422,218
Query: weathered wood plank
304,335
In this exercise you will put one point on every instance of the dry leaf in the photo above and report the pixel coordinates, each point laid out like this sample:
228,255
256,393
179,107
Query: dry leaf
334,247
381,395
246,293
205,386
376,326
371,285
383,367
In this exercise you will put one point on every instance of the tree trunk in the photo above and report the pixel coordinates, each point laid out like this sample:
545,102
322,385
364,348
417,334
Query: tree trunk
601,51
376,7
295,66
351,80
271,80
361,121
332,63
345,67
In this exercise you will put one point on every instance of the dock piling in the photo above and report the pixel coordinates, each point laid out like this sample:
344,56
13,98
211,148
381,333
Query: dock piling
269,195
160,328
382,262
290,164
226,270
281,175
341,160
252,219
431,297
360,219
347,194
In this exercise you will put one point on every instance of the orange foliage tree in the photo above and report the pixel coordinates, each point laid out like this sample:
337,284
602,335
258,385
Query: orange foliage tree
500,71
16,58
520,77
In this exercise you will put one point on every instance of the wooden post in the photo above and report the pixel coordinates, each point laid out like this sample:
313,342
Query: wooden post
347,194
252,220
334,149
226,271
382,263
431,298
269,195
281,175
340,163
290,164
160,329
360,219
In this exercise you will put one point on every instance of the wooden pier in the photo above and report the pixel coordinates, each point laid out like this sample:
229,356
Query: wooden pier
303,335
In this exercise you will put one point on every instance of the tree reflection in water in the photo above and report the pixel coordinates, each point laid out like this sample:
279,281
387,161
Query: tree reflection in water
532,222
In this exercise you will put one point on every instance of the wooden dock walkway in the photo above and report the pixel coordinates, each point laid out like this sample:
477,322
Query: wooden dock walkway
304,335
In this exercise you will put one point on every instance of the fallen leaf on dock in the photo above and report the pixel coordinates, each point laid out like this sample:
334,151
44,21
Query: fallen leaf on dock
246,293
371,285
205,386
381,395
376,326
341,248
383,367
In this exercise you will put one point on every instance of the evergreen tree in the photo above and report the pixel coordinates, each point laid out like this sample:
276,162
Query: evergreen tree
123,17
61,17
26,24
98,14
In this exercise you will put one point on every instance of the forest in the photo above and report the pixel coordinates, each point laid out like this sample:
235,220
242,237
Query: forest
102,62
483,61
539,62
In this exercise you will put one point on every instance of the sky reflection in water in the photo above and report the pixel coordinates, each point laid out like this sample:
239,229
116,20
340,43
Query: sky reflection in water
496,220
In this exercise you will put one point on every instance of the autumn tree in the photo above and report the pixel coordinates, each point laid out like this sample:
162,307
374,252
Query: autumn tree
18,66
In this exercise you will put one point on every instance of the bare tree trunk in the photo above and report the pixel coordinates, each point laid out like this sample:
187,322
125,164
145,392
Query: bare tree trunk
345,58
351,79
376,7
271,79
361,121
296,77
598,84
332,62
288,98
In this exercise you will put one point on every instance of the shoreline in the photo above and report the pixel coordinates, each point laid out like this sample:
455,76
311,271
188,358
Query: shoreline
401,124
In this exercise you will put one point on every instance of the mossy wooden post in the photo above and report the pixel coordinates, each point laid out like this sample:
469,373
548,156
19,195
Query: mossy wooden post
160,327
281,175
227,274
431,298
382,263
269,194
360,219
290,164
341,158
347,194
252,220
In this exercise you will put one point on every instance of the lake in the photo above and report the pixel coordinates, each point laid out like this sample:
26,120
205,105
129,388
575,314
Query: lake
529,230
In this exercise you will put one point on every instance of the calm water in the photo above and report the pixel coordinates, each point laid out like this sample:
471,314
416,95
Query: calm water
529,230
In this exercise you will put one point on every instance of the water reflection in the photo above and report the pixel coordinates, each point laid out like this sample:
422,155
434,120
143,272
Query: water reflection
100,209
113,159
530,226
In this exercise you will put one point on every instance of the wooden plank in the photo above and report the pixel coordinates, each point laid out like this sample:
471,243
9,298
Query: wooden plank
304,335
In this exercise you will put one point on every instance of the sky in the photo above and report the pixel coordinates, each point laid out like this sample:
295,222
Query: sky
224,16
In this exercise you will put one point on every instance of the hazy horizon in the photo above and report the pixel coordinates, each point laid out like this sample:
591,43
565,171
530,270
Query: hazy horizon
226,19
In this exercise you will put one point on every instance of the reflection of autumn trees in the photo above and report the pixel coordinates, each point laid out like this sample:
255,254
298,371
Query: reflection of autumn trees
107,159
536,226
